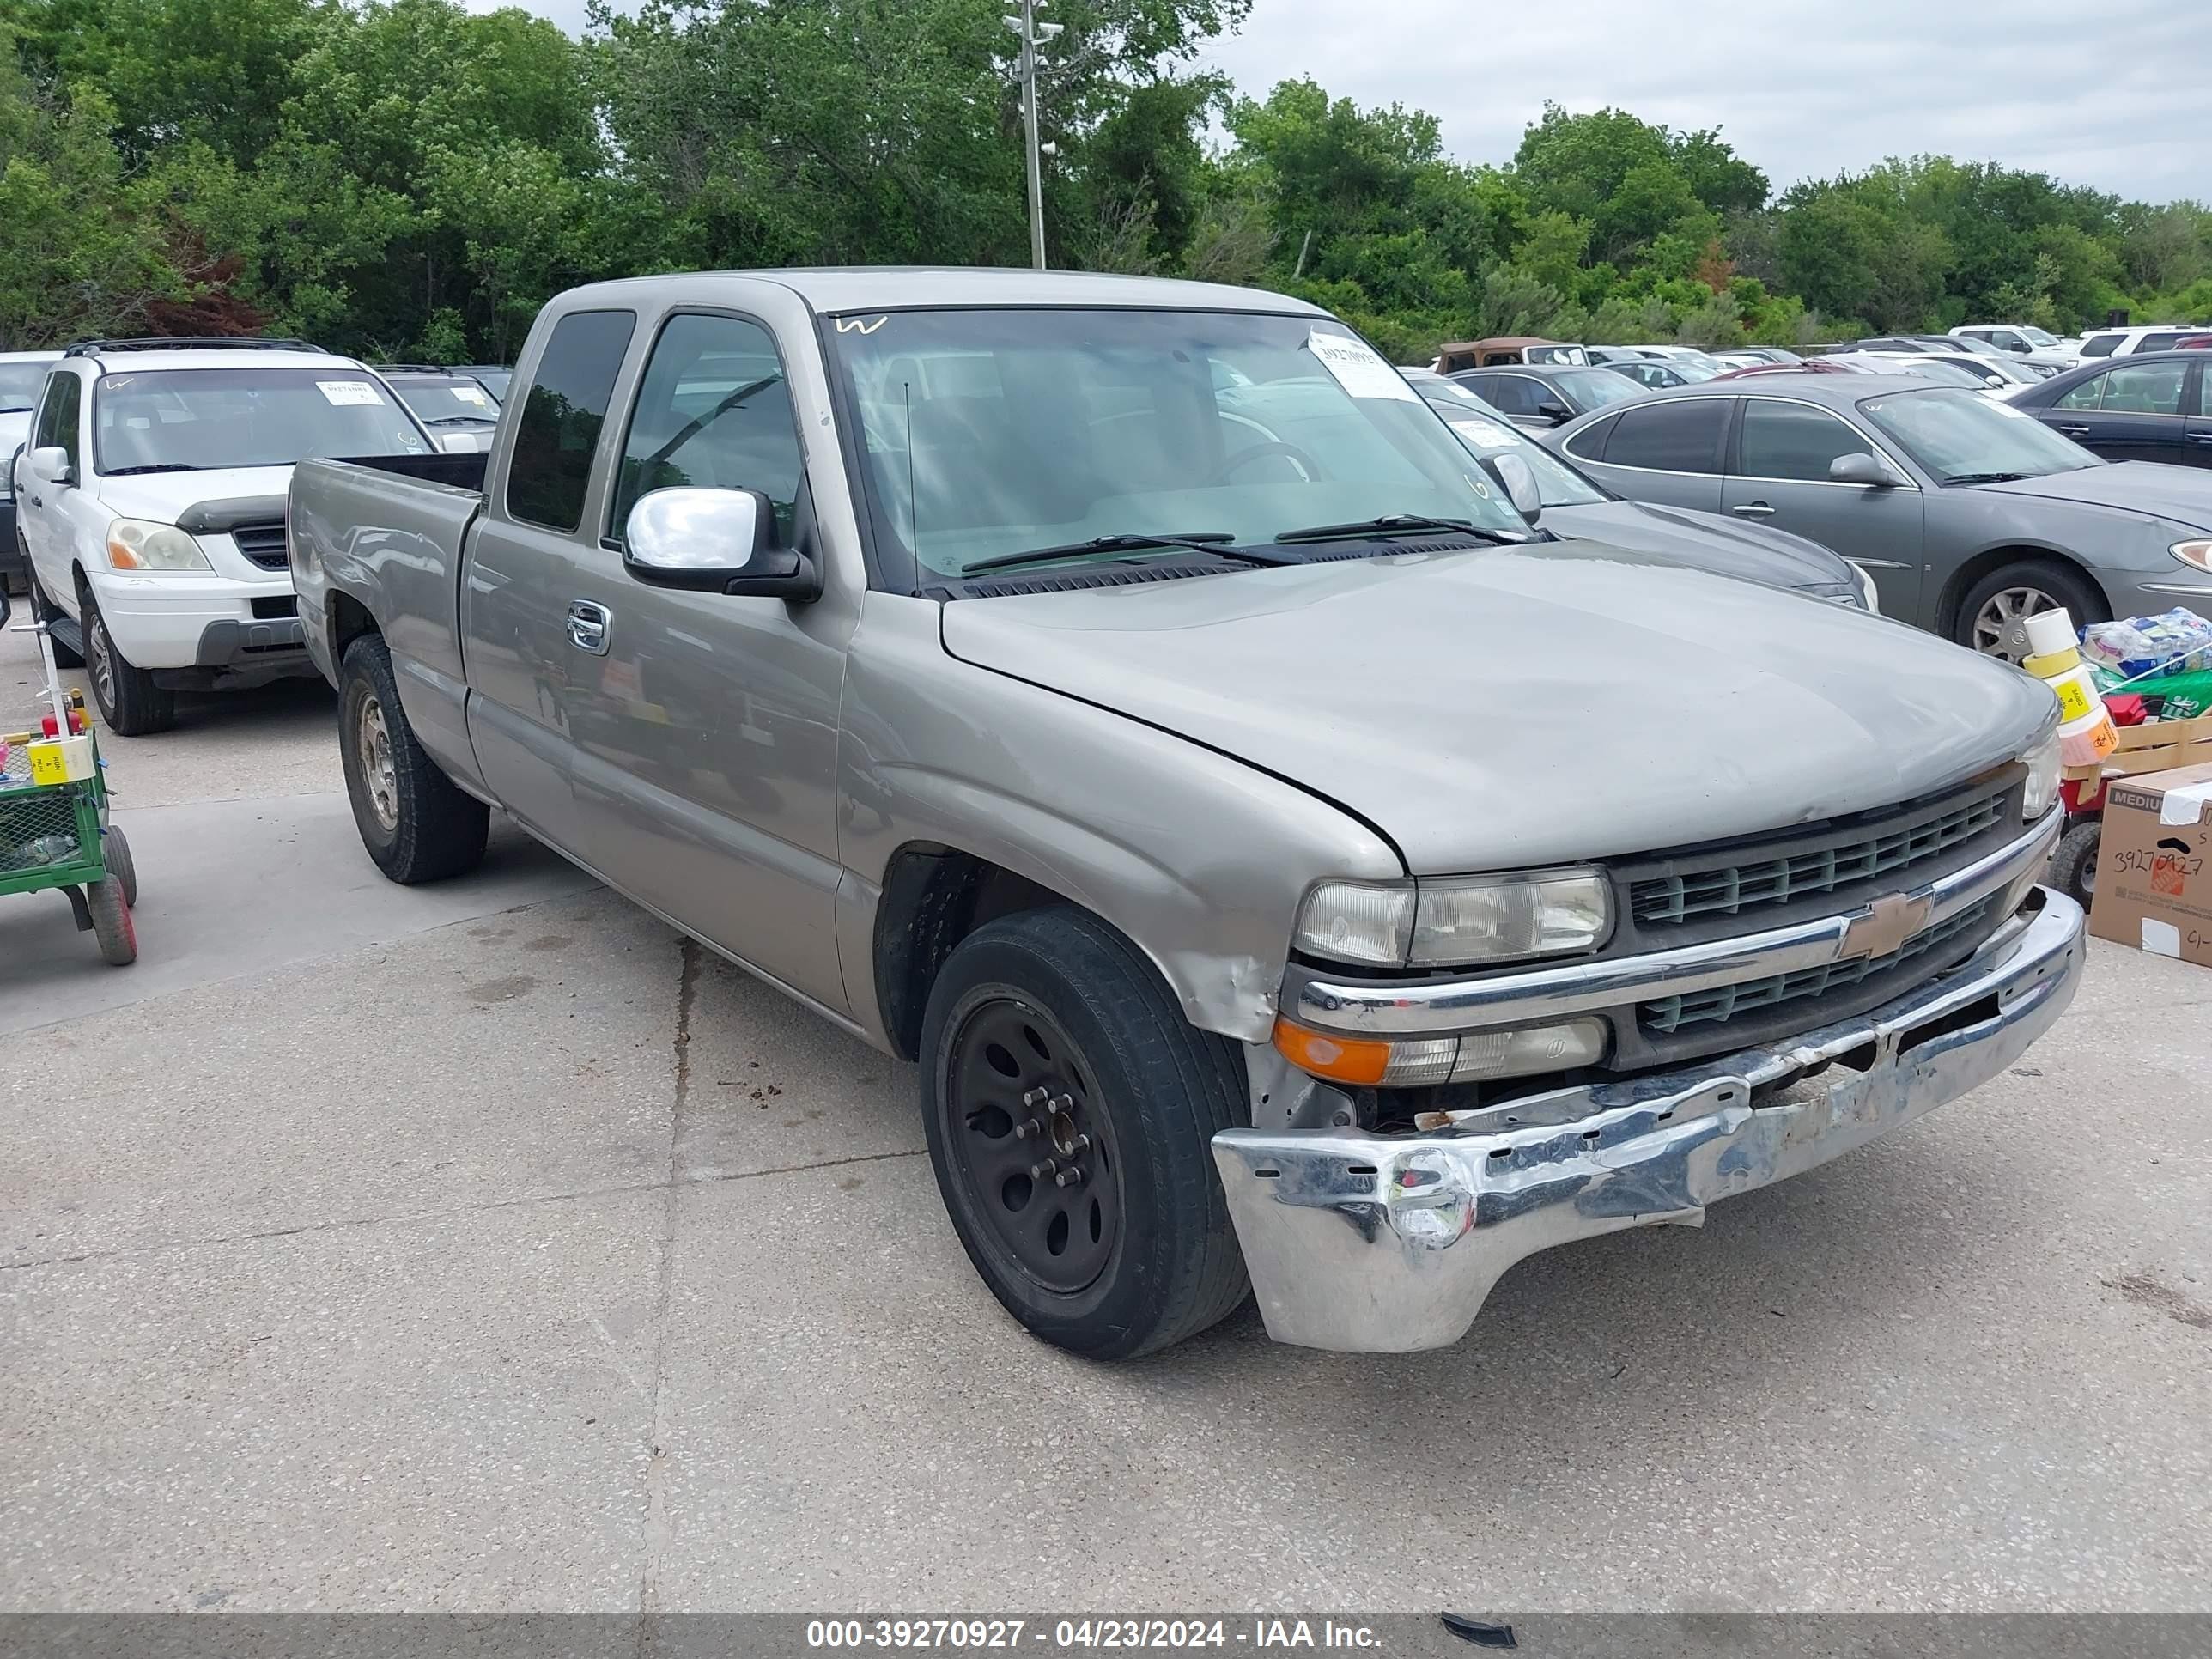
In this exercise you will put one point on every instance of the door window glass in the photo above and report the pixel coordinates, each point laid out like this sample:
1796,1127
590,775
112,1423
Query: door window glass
2144,389
558,428
1514,394
2099,345
1789,440
713,412
1684,436
2166,342
2085,395
57,421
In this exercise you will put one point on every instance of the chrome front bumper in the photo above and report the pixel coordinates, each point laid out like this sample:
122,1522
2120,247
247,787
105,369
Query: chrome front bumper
1367,1242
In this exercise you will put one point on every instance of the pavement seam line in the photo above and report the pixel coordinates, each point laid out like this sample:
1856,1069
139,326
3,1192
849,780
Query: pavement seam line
622,1189
656,1470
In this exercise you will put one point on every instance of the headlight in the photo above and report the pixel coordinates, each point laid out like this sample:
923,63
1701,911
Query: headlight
2042,763
1458,922
136,544
2196,555
1869,596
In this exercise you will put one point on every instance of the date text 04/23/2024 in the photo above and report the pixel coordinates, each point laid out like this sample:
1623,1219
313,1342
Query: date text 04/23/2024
976,1635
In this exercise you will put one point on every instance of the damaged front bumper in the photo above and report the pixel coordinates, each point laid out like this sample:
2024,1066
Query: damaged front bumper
1389,1243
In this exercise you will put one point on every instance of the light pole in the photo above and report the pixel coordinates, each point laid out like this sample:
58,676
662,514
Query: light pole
1033,34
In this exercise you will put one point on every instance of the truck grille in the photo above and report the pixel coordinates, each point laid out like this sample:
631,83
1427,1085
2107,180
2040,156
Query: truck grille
263,543
1729,885
1667,1015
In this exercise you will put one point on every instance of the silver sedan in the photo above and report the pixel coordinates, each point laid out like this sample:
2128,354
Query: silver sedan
1971,514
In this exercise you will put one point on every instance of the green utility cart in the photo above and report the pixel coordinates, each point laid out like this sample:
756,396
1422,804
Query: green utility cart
54,828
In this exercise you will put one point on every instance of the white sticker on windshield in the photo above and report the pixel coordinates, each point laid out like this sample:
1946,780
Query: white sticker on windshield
350,391
470,394
1483,435
1357,369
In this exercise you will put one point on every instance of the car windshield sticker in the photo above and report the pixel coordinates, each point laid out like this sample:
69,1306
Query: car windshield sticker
1357,369
350,391
470,394
1483,435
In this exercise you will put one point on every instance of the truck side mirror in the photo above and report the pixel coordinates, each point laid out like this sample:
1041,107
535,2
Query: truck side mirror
1554,412
1860,468
715,541
49,463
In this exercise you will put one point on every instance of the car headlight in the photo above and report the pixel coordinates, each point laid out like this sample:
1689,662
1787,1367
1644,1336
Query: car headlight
1457,922
2196,555
1869,596
138,544
2042,763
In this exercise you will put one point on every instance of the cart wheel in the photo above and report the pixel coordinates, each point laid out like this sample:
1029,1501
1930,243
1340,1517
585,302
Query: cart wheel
2074,861
110,922
120,864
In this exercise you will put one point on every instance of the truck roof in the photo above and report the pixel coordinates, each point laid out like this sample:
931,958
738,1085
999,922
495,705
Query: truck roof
877,288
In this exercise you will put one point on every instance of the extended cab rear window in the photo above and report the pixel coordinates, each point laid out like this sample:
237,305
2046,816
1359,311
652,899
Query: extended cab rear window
559,425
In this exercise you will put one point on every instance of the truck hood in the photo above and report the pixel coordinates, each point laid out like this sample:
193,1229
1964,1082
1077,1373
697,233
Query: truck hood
1705,541
2182,493
1527,706
160,496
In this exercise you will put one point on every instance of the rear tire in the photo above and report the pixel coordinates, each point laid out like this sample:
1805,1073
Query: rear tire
2074,861
416,824
1990,614
1051,1023
126,695
110,922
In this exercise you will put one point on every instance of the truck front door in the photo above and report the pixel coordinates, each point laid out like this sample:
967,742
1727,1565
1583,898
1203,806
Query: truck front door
706,742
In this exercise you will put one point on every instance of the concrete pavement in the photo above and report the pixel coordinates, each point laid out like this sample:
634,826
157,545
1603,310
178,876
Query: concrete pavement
487,1248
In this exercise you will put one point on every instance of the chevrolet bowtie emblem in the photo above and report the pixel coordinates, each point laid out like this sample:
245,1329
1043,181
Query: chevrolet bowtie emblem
1884,926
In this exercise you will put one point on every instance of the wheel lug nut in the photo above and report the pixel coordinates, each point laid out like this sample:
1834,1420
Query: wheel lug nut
1082,1144
1034,1095
1068,1178
1027,1127
1041,1168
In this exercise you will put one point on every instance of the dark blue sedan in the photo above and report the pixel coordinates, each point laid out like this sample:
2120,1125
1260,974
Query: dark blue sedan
2149,406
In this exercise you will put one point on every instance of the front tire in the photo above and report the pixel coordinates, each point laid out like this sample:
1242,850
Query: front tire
1993,615
2074,861
416,824
1070,1110
128,699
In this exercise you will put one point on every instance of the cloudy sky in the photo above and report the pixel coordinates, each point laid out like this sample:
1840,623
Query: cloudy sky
2115,95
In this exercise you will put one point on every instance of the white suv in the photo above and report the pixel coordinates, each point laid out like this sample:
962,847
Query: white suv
2150,337
150,505
21,374
2023,342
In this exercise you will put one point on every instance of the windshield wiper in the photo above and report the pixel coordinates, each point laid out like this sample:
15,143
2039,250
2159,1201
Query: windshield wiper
1399,523
14,409
1204,541
152,466
1988,477
457,420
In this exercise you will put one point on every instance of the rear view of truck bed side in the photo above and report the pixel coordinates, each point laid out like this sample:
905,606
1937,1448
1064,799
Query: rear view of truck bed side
395,527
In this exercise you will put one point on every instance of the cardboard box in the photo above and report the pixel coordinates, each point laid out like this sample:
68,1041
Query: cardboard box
2154,864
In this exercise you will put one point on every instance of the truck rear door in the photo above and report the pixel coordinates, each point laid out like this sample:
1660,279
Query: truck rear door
526,640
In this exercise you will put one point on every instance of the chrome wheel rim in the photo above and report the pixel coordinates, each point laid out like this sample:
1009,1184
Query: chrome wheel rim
2001,625
373,742
101,659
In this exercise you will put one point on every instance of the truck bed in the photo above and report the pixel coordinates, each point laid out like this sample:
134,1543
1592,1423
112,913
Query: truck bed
391,533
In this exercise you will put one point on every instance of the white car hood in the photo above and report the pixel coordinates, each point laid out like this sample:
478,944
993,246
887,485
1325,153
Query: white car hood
160,496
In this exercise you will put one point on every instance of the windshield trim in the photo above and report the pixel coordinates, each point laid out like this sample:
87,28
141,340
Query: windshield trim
916,579
91,416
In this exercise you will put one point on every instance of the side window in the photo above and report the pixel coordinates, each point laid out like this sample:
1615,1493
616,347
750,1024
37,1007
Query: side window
1682,436
2099,345
713,412
2204,387
2086,395
2144,389
1516,394
2166,342
1789,440
559,427
2004,337
1589,444
58,413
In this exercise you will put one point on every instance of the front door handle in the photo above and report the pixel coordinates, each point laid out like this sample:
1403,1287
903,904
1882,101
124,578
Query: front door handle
2075,431
1753,510
588,625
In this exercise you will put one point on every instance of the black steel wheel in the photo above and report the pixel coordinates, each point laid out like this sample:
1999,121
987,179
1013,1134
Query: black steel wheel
2074,861
1070,1110
1030,1146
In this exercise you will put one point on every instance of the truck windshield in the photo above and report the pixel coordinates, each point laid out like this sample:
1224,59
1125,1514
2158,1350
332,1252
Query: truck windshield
993,432
447,399
190,419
